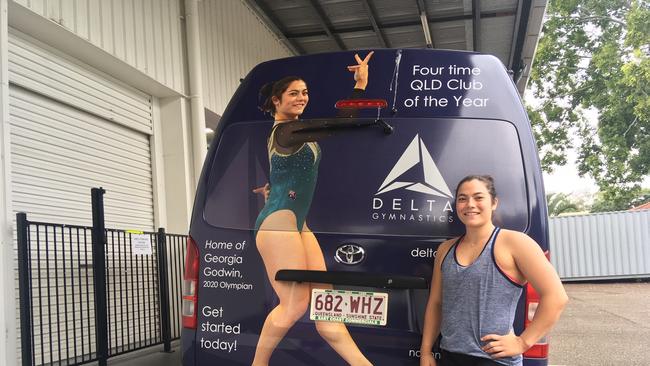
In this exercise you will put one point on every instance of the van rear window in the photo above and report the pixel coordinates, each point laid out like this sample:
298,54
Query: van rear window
373,183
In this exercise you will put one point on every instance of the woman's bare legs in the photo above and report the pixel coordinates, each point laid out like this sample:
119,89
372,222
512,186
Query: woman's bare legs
280,249
336,334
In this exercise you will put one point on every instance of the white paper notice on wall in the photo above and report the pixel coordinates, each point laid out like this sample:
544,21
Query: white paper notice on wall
140,243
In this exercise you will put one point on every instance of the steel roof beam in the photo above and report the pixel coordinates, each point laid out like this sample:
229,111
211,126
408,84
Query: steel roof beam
373,20
513,45
518,65
327,27
401,24
476,25
424,19
267,15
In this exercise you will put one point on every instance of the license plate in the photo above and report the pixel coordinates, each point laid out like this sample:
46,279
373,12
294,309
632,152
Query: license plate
353,307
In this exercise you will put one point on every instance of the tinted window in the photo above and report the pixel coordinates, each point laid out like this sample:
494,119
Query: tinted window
372,183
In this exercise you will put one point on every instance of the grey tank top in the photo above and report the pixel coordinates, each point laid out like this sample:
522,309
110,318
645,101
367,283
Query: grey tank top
477,300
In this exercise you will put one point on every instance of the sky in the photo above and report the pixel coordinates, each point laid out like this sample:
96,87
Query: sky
565,179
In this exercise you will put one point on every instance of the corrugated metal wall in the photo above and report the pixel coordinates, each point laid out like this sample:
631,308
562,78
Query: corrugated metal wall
601,246
73,128
47,72
233,41
146,34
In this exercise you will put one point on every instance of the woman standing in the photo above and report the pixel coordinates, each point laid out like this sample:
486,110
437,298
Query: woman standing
283,239
477,281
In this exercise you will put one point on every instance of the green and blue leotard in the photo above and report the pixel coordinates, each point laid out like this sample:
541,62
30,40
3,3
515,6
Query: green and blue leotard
293,175
293,179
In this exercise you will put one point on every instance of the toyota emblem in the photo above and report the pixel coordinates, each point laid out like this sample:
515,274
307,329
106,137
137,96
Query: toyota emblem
350,254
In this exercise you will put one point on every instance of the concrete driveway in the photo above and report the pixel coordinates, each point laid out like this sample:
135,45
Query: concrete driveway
153,356
603,324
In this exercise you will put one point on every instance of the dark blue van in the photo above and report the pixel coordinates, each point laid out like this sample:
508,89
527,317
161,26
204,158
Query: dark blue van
382,204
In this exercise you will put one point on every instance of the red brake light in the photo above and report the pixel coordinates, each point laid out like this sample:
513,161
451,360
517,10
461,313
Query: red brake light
190,284
361,104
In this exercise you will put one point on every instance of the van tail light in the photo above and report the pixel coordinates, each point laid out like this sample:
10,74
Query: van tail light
361,104
539,349
190,284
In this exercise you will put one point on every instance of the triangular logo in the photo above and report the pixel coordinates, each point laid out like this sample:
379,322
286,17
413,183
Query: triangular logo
416,153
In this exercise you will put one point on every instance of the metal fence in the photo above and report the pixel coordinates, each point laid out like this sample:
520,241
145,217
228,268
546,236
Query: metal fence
175,251
611,245
90,293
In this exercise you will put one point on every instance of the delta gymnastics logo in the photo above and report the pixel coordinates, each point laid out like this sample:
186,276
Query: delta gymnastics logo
416,154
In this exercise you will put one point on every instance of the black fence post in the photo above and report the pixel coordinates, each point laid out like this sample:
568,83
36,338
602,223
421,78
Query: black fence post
24,274
99,274
165,322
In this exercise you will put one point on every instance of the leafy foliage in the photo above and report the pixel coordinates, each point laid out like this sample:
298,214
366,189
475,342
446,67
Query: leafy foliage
594,55
625,200
559,203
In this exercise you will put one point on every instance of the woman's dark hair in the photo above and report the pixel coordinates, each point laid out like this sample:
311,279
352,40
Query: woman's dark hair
485,179
274,89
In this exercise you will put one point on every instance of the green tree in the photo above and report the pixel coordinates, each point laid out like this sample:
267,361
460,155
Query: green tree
631,198
594,55
559,203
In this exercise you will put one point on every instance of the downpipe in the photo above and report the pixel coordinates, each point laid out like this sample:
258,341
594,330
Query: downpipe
199,144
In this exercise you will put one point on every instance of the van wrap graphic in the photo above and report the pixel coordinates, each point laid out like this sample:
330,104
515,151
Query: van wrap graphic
415,171
416,153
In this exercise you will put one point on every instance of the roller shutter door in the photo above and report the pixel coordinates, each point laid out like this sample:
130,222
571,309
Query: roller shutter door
73,129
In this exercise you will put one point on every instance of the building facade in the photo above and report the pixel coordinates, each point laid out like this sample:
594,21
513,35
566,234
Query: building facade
112,94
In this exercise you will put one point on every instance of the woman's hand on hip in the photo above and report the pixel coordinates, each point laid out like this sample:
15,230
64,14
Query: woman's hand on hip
498,346
427,359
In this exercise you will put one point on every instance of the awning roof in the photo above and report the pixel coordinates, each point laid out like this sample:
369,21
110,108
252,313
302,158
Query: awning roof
508,29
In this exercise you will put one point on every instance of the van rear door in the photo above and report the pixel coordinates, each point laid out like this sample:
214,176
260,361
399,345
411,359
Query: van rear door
391,196
382,205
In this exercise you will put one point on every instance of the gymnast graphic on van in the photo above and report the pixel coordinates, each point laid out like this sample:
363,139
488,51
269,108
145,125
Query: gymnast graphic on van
283,238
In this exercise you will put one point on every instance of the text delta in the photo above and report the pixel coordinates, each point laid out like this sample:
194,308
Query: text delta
396,204
423,253
398,209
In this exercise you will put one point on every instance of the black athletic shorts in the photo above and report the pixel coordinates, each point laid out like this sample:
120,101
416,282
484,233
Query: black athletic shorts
458,359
